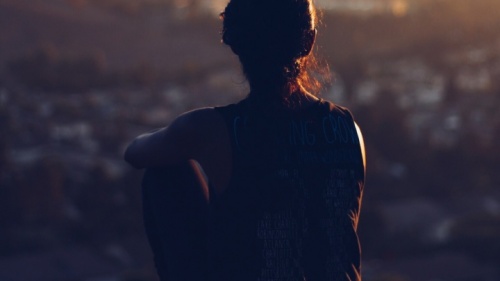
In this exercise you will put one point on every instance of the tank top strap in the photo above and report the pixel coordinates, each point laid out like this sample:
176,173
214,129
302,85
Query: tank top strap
233,115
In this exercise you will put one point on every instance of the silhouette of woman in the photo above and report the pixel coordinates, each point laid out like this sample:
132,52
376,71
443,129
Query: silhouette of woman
285,169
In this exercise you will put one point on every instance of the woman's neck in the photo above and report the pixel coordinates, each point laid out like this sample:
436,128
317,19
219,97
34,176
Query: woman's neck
281,96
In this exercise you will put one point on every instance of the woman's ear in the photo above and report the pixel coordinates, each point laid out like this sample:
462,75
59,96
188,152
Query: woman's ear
309,39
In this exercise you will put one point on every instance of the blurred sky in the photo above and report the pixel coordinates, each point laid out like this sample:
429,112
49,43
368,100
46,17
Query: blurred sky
399,7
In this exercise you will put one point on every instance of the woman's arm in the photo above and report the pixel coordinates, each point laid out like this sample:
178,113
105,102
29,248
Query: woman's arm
178,142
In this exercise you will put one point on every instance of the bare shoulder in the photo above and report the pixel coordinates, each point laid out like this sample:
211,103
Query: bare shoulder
199,115
189,136
198,122
202,130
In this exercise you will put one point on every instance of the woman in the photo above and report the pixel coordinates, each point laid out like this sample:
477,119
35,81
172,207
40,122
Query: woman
286,169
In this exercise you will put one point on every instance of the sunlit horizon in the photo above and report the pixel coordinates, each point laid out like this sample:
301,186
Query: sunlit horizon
396,7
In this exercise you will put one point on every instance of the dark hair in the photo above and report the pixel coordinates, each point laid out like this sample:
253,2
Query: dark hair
272,39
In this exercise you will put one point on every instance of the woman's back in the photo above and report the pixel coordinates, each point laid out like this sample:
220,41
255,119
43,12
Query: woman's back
291,207
286,169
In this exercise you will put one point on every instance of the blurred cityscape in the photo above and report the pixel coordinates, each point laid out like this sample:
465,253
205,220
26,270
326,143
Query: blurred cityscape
80,78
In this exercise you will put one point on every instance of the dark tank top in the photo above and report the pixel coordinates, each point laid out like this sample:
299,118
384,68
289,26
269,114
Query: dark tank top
291,209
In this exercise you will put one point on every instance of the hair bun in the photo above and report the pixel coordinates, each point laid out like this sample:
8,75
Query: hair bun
267,28
273,40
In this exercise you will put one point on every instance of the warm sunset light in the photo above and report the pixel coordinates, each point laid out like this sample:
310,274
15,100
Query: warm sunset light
79,79
399,7
181,3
